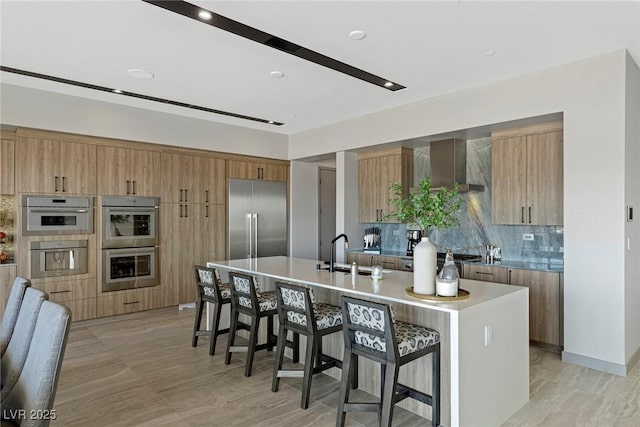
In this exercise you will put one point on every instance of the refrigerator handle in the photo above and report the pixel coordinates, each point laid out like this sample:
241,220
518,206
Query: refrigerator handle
255,235
250,218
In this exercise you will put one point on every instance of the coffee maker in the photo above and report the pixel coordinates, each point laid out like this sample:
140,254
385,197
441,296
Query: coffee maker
413,237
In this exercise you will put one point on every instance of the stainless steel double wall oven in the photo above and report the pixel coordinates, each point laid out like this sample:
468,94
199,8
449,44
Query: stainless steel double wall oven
129,242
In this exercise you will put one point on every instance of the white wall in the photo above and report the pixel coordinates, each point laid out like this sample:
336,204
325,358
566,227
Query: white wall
632,196
304,210
591,94
347,201
21,106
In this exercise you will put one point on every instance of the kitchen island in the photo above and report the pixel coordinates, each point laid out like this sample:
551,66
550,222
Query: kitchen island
484,339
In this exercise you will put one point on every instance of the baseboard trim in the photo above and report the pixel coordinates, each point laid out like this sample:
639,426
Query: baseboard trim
597,364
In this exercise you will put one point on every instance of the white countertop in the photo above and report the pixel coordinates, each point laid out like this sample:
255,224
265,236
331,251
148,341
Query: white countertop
391,288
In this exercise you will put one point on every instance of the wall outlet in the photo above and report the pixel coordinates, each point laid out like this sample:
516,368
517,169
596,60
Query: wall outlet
527,237
488,336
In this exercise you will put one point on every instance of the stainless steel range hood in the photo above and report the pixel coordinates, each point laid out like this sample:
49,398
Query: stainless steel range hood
449,165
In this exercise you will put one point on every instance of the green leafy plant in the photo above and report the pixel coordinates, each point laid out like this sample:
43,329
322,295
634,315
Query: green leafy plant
425,207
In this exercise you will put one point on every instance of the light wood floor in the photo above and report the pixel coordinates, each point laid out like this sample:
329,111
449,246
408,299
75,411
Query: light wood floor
140,369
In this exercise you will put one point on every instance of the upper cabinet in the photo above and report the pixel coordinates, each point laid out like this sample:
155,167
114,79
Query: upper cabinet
193,179
527,175
49,166
376,172
122,172
255,170
7,157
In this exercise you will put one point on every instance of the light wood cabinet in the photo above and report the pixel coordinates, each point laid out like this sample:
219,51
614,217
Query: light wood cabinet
367,260
527,175
193,179
257,170
78,295
486,273
7,159
180,251
130,301
376,172
122,172
50,166
545,305
7,276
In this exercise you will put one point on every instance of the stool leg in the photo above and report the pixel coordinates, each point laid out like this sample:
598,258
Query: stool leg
435,387
282,340
296,347
312,352
346,379
389,394
232,335
217,308
196,324
253,340
271,338
354,381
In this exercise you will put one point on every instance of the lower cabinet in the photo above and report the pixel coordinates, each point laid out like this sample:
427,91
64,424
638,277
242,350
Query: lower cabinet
130,301
78,295
545,305
367,260
545,299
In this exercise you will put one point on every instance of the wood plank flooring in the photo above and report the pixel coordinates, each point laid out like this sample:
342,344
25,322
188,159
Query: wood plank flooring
140,370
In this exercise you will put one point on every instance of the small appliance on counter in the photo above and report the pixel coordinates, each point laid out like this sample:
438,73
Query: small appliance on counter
413,237
372,240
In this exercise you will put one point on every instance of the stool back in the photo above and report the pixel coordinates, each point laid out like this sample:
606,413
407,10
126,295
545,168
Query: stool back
207,284
20,284
296,307
369,329
244,293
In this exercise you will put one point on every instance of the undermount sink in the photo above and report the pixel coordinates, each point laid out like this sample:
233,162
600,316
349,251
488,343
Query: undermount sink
345,270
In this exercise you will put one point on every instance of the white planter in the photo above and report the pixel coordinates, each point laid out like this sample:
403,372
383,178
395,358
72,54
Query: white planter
447,288
425,264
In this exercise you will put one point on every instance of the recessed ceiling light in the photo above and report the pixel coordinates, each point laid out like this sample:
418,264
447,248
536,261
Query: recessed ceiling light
203,14
140,74
276,74
270,122
388,84
490,53
357,35
117,91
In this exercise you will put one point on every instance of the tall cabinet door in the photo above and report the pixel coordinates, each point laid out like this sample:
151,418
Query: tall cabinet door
7,158
212,227
38,161
210,182
545,172
144,176
368,179
269,205
509,181
77,168
113,170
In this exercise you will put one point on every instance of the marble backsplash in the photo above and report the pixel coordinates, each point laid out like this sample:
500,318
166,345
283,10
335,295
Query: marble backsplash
475,230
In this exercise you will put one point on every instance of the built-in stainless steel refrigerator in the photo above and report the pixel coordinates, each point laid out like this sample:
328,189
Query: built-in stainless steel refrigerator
257,218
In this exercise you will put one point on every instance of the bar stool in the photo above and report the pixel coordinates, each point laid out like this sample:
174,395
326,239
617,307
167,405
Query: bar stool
209,289
298,312
247,299
370,331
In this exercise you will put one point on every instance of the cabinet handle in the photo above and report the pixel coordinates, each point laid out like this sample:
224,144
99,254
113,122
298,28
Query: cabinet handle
132,302
181,195
529,214
186,211
128,183
180,211
55,184
206,211
206,196
484,272
522,215
186,195
60,292
509,277
64,179
258,172
134,187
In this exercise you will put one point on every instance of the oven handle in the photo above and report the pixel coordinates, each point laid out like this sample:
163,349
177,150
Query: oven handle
131,209
57,210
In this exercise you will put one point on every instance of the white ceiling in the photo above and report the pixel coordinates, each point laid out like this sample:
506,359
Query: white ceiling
432,48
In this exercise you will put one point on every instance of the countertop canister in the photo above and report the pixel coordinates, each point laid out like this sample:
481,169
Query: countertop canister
425,264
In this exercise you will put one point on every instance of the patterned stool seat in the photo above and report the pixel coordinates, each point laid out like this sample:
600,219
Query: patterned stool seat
299,313
266,301
209,291
371,331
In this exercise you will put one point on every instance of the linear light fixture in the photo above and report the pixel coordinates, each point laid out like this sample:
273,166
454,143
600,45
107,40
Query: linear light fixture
222,22
135,95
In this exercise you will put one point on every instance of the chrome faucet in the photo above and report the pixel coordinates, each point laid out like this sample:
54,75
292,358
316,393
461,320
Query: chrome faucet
333,244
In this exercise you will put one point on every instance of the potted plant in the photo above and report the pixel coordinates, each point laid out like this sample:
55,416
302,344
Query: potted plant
426,209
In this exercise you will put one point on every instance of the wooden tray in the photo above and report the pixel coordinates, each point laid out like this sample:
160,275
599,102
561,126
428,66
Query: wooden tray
462,295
